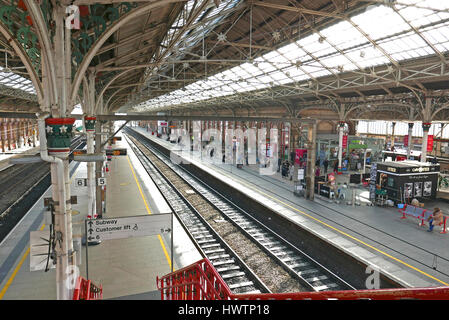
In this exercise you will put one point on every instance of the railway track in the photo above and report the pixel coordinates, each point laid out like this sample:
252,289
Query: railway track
20,186
280,265
233,270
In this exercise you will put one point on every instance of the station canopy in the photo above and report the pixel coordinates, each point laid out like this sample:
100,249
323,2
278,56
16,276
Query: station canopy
378,35
252,57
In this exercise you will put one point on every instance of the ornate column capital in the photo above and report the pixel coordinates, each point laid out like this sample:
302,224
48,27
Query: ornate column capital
89,122
59,132
426,126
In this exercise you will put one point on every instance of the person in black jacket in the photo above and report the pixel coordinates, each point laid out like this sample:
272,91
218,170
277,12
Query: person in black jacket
325,165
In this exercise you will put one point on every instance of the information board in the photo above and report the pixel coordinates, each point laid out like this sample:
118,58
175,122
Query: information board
128,227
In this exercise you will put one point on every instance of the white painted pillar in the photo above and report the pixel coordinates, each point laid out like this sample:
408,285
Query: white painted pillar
341,126
425,128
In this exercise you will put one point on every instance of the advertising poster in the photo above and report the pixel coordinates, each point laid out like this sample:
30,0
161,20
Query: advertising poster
427,191
300,155
418,189
408,190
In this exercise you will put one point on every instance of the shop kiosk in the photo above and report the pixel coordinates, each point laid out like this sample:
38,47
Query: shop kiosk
405,180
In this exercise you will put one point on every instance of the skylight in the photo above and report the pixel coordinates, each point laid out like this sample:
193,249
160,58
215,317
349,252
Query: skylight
16,81
378,36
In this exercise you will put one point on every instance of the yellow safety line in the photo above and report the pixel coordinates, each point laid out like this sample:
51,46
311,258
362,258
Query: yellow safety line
344,233
16,270
167,256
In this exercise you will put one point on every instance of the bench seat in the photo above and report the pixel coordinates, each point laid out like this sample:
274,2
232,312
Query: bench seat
421,214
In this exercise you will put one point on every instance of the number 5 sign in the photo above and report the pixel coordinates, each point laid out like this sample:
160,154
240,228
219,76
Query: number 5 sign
101,181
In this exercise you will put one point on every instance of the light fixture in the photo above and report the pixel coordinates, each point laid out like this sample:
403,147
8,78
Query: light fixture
221,37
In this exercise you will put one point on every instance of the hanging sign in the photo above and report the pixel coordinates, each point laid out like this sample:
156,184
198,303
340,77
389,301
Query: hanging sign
345,141
299,153
429,143
406,140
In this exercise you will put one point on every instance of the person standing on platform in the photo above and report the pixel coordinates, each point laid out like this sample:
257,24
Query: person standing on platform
325,165
336,166
284,169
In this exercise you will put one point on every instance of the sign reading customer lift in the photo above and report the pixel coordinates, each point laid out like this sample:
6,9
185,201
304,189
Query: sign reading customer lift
128,227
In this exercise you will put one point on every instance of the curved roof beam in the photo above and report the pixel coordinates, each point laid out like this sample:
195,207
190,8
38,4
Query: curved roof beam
47,60
128,17
25,60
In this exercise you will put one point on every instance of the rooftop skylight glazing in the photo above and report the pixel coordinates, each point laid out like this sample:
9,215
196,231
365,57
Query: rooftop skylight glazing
380,35
15,81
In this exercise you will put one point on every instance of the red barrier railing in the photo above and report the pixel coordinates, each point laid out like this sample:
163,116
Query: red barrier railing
200,281
86,290
436,293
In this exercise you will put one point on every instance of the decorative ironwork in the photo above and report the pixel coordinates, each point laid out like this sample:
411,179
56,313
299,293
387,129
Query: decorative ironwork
16,18
47,9
95,18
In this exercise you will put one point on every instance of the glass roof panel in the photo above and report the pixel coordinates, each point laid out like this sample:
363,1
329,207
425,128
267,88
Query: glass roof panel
391,23
316,46
16,81
394,36
343,35
266,67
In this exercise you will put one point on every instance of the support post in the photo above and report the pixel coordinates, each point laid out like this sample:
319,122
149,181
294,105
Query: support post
410,133
311,159
2,135
393,125
425,128
341,126
98,171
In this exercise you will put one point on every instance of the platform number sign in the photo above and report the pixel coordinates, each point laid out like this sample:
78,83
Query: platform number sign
101,181
81,182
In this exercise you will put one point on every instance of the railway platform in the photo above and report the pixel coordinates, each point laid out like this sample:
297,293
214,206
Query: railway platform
24,150
126,268
375,236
